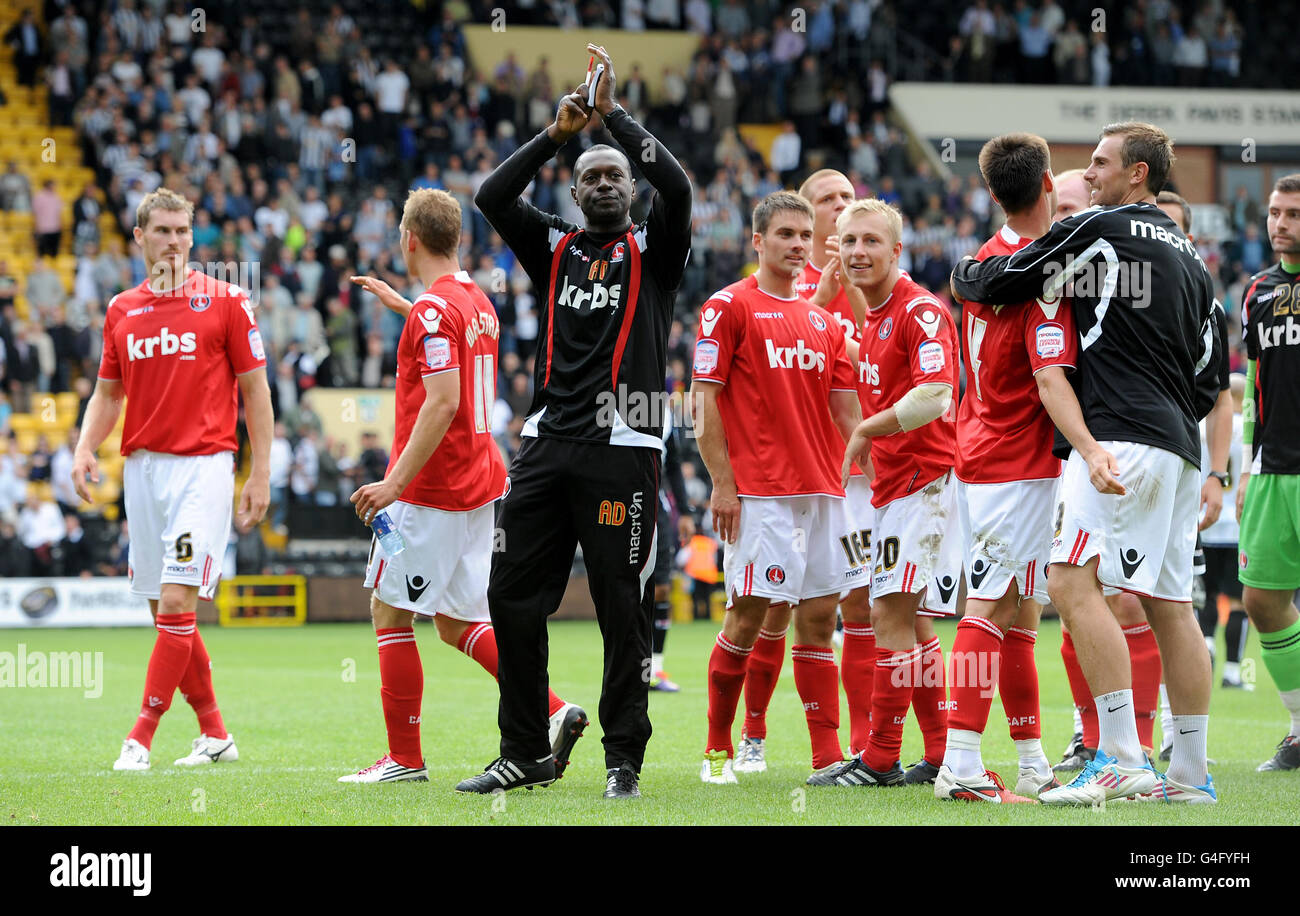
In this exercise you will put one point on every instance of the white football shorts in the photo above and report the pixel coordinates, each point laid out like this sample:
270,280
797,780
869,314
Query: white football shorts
178,509
787,549
1145,539
856,542
1008,528
445,566
919,546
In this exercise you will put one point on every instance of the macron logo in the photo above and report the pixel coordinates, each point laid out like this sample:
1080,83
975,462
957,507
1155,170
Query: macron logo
709,319
163,344
430,319
1145,230
797,357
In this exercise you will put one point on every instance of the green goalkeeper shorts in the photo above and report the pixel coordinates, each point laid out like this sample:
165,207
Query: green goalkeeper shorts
1270,532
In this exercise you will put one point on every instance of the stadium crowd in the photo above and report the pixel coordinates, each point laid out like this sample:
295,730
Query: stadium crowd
296,134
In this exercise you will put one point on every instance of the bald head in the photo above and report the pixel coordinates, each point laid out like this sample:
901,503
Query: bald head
1072,194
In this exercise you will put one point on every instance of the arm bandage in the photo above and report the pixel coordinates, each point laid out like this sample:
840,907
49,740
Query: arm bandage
922,404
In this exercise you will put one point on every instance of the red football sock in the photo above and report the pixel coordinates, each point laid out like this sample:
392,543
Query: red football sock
726,677
760,680
1144,658
930,700
896,674
167,664
196,687
1079,690
858,671
479,642
818,681
402,678
976,652
1018,684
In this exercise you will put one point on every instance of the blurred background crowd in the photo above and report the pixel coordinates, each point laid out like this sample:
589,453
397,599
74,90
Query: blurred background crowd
297,129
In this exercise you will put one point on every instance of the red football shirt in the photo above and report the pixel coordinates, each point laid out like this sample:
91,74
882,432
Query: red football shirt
840,310
176,354
452,326
778,360
839,306
1003,431
910,340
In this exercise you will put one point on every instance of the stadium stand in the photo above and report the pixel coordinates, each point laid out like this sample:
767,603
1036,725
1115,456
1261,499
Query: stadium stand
297,128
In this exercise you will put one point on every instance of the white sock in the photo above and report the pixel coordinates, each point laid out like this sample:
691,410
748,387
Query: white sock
1117,728
1078,721
1187,764
656,662
1209,644
962,755
1030,751
1291,700
1232,671
1166,719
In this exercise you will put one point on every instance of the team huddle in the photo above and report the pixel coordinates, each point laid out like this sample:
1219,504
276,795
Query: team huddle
852,476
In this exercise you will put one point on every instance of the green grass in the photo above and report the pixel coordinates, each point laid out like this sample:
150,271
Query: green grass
300,724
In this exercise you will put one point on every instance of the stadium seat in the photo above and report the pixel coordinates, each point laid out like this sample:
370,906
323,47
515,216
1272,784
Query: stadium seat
67,403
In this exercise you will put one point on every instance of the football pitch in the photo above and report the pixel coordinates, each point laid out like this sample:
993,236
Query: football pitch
304,706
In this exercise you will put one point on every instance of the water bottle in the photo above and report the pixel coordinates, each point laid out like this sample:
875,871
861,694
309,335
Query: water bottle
390,539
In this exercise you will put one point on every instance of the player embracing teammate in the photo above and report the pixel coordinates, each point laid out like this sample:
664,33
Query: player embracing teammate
1143,302
1016,358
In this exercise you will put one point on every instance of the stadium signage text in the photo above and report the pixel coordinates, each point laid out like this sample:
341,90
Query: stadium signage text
1066,114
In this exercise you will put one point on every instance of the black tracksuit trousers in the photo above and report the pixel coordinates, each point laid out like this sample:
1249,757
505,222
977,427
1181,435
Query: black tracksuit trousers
564,493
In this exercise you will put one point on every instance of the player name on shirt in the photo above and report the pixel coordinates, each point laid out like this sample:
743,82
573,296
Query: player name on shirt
777,373
1271,331
1003,431
452,326
177,354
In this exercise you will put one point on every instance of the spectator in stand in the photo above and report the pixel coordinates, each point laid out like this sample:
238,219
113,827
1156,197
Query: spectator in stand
47,218
280,466
61,473
25,37
72,554
40,528
787,152
305,475
374,460
1244,210
15,558
15,190
117,558
341,332
13,478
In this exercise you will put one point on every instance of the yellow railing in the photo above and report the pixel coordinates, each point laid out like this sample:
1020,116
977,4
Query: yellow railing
262,601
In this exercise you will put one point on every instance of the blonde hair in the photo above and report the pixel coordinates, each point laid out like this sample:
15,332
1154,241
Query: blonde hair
805,189
869,205
162,199
433,217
